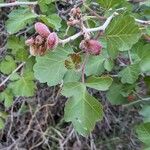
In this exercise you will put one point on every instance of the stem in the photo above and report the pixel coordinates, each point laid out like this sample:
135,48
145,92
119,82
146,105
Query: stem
83,67
130,57
138,101
101,28
17,4
143,21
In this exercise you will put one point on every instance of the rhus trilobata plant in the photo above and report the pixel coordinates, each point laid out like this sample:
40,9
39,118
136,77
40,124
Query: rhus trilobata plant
101,45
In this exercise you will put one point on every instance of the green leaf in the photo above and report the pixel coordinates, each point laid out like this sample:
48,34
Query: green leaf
143,132
18,19
144,64
94,65
130,74
15,44
141,53
108,64
145,112
44,5
81,109
114,95
24,86
99,83
50,68
7,97
22,55
7,65
2,124
107,4
53,21
121,34
147,3
72,76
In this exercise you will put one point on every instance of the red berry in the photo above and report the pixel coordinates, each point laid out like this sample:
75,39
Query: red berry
42,29
39,40
131,98
52,41
93,47
29,42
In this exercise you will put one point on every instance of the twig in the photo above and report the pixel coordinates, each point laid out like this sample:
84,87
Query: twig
83,66
3,82
143,21
88,30
138,101
17,4
130,57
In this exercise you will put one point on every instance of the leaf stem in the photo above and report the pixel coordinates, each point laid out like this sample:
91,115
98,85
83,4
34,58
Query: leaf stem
137,101
17,4
83,67
130,57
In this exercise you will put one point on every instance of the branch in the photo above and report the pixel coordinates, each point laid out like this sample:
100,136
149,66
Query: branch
17,4
138,101
143,21
3,82
88,30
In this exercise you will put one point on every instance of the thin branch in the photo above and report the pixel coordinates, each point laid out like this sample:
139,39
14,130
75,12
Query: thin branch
143,22
138,101
17,4
88,30
83,67
3,82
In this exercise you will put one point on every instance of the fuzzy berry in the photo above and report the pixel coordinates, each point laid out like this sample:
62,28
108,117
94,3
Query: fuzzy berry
42,29
29,42
52,41
93,47
39,40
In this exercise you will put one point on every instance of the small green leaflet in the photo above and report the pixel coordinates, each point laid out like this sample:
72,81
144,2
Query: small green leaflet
24,85
45,5
108,64
94,65
18,48
107,4
53,21
18,19
81,109
114,95
51,68
145,112
72,76
141,54
130,74
7,65
7,97
15,44
147,3
121,34
143,132
2,124
99,83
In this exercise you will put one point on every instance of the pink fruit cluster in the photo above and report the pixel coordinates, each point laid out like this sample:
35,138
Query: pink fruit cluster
43,41
91,46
